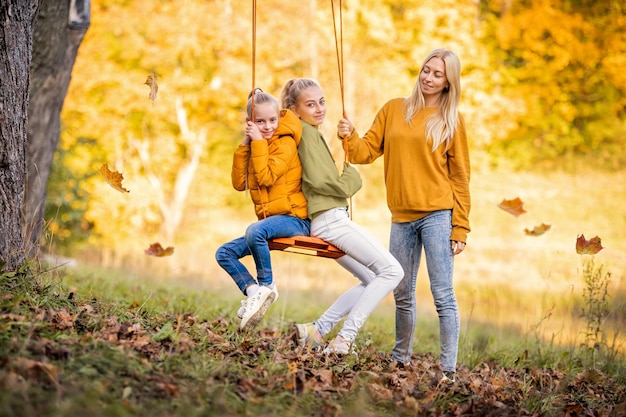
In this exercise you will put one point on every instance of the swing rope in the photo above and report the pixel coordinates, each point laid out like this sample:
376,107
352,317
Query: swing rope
339,53
339,50
253,57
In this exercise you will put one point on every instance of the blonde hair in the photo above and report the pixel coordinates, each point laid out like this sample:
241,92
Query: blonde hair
260,97
292,89
441,126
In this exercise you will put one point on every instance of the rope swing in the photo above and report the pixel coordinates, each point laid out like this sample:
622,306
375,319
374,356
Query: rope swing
339,53
307,245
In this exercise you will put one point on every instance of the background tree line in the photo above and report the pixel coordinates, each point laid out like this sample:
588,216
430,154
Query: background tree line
543,85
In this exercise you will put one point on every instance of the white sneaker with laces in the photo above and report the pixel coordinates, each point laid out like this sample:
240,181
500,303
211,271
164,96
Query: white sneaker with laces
256,307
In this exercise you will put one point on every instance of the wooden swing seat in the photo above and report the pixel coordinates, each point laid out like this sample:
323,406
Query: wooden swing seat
306,245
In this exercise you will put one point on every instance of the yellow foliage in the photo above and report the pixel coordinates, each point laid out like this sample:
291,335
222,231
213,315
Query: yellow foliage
525,69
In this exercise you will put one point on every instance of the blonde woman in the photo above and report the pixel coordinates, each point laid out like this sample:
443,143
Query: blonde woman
427,170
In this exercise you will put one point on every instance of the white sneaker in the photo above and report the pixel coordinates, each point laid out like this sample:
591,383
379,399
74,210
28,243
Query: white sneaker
448,376
275,291
308,336
338,346
256,307
242,309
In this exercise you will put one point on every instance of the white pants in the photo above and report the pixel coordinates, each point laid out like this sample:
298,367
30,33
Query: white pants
378,271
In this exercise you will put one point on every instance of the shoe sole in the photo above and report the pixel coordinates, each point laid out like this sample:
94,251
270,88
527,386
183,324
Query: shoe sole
337,352
258,316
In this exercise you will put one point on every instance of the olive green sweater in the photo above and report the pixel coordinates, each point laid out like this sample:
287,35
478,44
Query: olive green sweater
418,181
322,184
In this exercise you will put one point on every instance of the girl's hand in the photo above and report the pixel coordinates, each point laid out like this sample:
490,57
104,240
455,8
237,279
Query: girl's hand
457,247
344,128
253,132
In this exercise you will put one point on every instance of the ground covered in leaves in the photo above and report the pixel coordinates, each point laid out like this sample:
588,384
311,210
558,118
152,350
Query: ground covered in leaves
61,356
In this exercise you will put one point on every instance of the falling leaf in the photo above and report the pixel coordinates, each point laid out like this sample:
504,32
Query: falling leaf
588,247
113,178
151,82
537,230
515,206
157,250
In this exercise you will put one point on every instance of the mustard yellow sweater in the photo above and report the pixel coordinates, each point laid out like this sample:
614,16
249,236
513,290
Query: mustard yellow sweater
418,181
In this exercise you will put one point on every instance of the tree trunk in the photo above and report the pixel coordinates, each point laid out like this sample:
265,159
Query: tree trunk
16,17
58,32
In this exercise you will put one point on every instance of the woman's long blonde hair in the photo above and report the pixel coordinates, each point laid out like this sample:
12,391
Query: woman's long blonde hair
441,126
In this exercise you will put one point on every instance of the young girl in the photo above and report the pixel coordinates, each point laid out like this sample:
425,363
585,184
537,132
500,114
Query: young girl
427,172
327,192
267,164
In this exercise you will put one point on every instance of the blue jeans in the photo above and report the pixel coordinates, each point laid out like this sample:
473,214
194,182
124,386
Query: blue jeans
432,233
365,258
255,243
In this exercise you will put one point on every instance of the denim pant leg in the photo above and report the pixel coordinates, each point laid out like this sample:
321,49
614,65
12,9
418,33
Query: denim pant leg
228,256
257,235
406,246
406,241
335,227
440,263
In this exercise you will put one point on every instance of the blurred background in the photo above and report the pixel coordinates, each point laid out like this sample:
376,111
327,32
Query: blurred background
543,96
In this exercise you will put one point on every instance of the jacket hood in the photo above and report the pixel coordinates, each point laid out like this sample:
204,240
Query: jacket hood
289,126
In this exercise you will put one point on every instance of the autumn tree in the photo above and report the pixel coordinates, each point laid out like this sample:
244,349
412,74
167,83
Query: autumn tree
175,152
564,61
58,32
16,32
528,89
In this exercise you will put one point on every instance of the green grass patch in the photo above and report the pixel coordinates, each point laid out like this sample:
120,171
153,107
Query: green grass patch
101,342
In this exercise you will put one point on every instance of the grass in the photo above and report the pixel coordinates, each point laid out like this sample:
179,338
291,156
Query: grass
542,327
101,342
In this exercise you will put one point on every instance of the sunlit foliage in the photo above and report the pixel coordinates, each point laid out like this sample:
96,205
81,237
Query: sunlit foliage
542,81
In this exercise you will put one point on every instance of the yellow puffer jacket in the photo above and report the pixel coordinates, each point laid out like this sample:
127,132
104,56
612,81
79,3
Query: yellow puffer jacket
271,170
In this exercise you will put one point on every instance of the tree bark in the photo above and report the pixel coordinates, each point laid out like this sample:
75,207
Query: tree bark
16,20
59,30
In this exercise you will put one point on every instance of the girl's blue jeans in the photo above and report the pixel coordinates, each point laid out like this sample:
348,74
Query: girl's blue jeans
432,234
255,243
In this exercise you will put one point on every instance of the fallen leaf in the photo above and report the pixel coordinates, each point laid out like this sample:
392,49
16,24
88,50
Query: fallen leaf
537,230
61,319
588,247
32,370
157,250
515,206
151,82
113,178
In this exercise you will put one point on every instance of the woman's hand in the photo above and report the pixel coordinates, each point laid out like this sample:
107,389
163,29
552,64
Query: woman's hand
344,128
457,247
